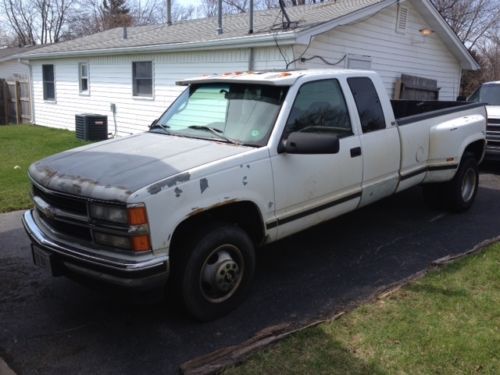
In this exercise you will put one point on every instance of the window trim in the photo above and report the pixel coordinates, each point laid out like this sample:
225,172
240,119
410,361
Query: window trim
384,118
45,98
80,77
284,133
143,97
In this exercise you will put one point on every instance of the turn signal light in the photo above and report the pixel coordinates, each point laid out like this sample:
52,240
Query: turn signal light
137,216
141,243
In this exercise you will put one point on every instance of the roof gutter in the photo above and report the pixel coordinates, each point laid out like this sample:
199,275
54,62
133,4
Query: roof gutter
266,40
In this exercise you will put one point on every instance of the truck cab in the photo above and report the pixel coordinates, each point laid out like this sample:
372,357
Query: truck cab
489,93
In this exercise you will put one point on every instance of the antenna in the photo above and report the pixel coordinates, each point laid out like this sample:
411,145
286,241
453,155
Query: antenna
286,24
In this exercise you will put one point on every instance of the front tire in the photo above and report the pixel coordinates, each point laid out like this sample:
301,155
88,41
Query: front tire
217,268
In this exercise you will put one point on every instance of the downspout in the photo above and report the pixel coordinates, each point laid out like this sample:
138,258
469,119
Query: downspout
251,51
32,101
251,59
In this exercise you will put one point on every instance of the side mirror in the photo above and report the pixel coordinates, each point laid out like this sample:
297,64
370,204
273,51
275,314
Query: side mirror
461,98
310,143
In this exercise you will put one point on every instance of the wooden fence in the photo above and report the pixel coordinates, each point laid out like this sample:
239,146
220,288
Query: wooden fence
15,103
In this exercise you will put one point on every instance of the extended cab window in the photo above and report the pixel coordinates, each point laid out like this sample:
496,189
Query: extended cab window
320,107
367,101
231,112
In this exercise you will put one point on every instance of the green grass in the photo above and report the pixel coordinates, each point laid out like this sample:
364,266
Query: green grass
446,323
21,145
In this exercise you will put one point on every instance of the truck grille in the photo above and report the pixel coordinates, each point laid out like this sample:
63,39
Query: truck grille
493,133
63,202
67,215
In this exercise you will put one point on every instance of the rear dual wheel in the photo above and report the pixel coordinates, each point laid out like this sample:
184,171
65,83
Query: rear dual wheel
458,194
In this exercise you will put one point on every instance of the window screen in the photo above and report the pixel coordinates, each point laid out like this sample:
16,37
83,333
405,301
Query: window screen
83,72
320,107
367,103
142,76
49,91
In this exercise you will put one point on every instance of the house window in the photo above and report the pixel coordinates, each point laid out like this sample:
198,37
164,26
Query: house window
142,78
83,78
49,89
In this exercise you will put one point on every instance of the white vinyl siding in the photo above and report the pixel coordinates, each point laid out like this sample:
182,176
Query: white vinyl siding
391,53
14,71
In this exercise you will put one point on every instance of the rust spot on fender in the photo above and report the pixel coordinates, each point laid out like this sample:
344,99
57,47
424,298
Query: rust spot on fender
199,210
168,182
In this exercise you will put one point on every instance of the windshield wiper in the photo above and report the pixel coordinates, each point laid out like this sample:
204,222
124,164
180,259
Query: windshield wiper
219,133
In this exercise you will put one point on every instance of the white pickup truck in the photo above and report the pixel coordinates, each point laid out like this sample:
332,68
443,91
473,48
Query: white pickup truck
237,161
489,93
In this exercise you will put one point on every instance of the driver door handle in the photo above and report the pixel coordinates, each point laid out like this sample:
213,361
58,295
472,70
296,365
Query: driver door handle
356,151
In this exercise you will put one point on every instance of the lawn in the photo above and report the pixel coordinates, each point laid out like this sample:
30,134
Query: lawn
446,323
21,145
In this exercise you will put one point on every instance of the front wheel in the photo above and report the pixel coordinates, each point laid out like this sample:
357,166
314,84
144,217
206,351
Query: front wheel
216,271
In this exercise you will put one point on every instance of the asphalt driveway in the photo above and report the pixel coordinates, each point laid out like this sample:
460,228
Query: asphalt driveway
54,325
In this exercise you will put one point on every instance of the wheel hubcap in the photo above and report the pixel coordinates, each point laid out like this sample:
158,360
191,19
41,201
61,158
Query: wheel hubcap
469,185
221,273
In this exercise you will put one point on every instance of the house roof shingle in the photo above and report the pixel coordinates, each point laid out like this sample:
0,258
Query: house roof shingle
205,30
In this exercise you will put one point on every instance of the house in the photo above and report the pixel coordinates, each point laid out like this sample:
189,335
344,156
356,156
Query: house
14,85
11,68
129,74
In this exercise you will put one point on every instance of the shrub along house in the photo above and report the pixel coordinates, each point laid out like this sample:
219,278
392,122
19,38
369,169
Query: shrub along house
129,74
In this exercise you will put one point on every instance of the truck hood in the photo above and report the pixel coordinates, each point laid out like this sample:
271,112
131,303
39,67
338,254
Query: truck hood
113,170
493,111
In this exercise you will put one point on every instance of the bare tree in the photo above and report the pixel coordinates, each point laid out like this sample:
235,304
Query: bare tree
472,20
37,21
155,12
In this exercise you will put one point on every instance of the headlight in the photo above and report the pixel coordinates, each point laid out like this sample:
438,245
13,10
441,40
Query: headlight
112,240
109,213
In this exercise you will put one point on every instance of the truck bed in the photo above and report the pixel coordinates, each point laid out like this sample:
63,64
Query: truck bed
409,111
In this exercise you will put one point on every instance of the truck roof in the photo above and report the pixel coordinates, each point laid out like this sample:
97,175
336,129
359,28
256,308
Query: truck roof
272,77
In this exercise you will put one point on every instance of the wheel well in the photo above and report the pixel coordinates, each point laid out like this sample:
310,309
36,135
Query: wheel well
476,148
244,214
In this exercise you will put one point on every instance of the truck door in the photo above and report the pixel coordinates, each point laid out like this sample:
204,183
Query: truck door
380,142
313,188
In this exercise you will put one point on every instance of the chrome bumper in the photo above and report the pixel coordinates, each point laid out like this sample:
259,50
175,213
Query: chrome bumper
71,258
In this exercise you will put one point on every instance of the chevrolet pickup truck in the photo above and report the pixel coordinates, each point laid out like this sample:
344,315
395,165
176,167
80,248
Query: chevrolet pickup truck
489,93
237,161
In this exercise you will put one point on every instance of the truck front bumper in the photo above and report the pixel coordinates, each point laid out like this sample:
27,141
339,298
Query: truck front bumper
71,259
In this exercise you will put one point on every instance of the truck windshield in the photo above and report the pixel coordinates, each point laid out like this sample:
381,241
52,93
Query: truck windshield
489,94
234,113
